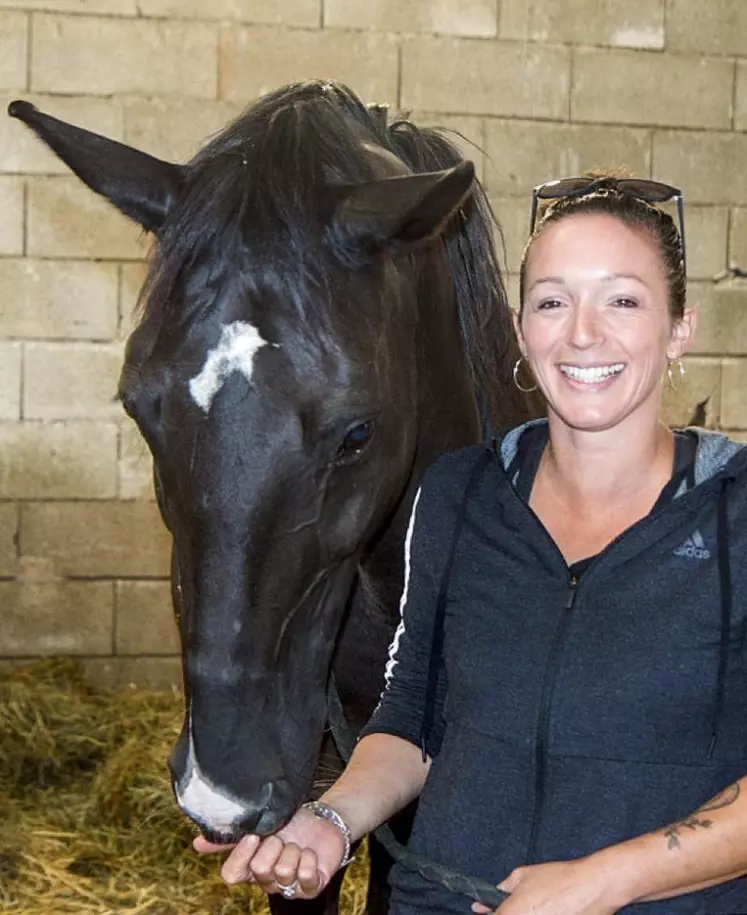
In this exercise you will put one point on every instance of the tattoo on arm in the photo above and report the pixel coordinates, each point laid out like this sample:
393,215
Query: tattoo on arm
695,820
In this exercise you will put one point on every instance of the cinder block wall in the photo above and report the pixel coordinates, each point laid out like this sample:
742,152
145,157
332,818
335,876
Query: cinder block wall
545,87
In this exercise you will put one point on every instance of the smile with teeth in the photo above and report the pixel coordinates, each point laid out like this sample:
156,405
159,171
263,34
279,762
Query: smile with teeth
591,374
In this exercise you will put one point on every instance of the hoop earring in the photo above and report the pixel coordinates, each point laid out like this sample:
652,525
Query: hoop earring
670,373
516,378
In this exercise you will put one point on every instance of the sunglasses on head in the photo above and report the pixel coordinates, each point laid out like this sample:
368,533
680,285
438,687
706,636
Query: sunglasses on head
641,189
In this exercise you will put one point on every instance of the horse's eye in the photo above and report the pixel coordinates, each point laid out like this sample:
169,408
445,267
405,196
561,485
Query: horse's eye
355,441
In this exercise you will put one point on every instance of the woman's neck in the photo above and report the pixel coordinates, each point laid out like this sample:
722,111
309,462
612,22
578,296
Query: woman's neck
608,467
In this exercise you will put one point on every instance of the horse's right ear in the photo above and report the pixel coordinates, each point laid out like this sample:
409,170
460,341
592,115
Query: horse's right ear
397,213
140,186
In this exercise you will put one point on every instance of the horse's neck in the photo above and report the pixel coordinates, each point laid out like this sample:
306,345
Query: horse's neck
448,409
448,418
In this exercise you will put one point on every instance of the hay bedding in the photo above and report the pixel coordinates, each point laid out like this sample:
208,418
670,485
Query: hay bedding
89,823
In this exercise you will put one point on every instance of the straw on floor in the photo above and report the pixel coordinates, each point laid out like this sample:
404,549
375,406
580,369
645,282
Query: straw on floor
89,823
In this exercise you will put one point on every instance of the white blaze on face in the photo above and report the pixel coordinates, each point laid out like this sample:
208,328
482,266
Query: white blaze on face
201,799
238,344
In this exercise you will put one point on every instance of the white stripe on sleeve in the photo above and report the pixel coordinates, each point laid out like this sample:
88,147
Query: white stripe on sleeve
394,647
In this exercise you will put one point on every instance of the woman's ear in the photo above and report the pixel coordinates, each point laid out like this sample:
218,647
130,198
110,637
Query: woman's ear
683,331
516,318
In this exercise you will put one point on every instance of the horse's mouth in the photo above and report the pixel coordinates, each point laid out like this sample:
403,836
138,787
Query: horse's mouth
222,837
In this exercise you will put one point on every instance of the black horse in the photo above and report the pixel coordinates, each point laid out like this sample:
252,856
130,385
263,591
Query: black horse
323,315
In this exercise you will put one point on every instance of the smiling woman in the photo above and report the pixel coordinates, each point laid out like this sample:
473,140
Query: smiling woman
598,316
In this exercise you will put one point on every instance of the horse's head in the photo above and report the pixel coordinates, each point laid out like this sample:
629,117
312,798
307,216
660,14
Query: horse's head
274,374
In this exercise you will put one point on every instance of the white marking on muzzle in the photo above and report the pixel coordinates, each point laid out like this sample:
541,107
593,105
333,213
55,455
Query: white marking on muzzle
239,343
202,800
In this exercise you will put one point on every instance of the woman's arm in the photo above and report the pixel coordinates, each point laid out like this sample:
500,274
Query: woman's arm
384,774
705,848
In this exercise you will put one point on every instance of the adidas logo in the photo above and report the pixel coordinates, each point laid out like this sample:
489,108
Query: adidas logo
694,547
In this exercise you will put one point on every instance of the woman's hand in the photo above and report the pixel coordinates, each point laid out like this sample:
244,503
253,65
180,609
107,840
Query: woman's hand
558,888
303,855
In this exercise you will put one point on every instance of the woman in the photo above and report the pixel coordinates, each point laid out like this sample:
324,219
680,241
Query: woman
571,652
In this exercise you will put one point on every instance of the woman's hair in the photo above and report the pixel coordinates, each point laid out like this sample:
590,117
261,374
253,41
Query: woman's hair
608,198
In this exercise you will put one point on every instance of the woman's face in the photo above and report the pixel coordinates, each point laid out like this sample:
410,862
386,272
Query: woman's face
595,325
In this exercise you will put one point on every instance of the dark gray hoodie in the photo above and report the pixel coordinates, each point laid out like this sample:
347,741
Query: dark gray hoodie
564,716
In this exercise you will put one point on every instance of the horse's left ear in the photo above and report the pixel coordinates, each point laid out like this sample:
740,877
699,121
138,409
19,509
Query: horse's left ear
398,213
140,186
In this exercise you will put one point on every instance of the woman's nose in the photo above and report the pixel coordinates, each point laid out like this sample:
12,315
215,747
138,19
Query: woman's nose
586,326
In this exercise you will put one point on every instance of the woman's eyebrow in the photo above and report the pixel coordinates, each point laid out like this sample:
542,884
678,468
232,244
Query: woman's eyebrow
623,276
557,280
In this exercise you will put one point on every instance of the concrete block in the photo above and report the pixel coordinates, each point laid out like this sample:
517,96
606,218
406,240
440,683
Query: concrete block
8,539
14,37
103,539
648,87
512,214
633,24
722,317
706,234
66,219
71,381
175,129
143,673
522,154
305,13
88,55
738,238
108,7
257,60
707,166
709,28
63,617
145,621
734,398
477,18
11,356
470,76
62,300
58,460
11,215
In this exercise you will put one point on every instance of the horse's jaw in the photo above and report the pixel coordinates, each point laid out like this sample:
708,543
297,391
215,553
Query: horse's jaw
245,759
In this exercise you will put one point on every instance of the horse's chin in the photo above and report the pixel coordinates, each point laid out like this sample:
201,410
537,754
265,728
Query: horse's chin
221,837
267,824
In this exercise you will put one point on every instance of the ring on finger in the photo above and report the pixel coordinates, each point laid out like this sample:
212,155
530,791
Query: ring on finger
289,890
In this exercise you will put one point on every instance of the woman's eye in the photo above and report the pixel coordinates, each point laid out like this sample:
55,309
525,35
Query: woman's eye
546,304
623,302
356,439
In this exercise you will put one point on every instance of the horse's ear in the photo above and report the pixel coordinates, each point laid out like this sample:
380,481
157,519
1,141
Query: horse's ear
399,212
140,186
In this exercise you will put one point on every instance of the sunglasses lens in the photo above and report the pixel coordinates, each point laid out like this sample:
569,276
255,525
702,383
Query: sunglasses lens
648,190
565,187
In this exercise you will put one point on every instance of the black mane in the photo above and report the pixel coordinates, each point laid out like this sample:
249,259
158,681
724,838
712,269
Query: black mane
247,187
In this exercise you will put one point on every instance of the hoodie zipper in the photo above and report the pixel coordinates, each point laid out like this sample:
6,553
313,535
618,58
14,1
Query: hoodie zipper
543,721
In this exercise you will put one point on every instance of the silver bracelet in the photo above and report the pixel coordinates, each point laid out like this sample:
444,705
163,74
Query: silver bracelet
325,812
